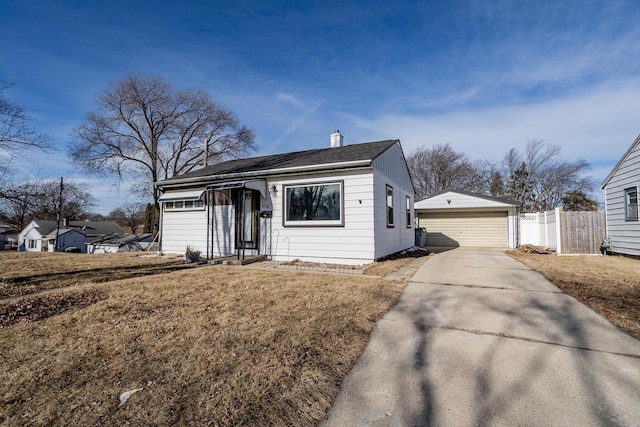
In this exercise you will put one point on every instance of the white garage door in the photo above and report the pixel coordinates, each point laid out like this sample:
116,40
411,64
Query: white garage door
466,228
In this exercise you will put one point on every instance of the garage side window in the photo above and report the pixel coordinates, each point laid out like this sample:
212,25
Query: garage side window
408,212
389,206
631,204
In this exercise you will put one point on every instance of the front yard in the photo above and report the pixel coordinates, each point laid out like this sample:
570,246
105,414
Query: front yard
610,285
214,345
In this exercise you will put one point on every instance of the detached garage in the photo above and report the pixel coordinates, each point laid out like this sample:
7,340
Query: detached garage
459,218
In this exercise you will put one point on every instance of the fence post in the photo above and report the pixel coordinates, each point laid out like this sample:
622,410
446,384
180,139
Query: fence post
558,231
544,217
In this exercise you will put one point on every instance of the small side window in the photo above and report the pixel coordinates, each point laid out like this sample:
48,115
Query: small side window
408,212
631,204
389,206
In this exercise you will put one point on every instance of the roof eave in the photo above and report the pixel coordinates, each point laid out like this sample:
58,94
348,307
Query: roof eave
267,172
622,159
468,193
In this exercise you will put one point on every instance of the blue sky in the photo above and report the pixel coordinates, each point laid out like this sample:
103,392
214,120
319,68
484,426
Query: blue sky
484,76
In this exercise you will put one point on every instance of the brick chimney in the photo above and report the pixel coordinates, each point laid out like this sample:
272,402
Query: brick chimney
337,139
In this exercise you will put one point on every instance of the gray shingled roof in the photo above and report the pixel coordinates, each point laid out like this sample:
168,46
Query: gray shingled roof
119,239
88,228
323,156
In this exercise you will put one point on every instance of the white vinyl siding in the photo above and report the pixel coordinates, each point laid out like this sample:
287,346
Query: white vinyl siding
465,228
182,228
624,234
389,240
352,243
393,165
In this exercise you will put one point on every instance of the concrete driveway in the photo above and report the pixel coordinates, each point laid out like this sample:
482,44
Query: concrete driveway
479,339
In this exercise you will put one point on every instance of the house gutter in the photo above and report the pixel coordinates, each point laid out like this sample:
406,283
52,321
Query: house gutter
279,171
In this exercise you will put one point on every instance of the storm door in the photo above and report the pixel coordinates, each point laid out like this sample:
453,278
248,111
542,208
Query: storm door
247,205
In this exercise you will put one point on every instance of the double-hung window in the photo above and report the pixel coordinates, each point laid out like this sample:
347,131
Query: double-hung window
314,204
389,206
631,204
408,199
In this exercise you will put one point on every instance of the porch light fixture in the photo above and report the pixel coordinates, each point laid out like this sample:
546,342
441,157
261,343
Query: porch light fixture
274,190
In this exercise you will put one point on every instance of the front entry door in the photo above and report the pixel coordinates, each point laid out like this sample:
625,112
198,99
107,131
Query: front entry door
247,205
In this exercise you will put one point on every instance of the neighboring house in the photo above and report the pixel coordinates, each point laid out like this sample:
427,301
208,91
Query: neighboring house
40,235
345,204
8,236
621,189
119,242
460,218
68,238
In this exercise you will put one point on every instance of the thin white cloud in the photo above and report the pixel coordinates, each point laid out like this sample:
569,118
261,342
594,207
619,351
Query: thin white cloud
598,126
290,99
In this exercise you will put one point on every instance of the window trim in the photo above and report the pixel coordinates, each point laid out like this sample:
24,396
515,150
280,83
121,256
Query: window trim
627,192
389,209
409,225
312,223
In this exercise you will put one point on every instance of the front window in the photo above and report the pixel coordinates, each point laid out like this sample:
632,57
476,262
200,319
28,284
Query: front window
631,204
389,206
313,204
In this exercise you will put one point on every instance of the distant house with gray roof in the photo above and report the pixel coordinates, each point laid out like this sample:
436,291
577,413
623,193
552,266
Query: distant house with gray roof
40,235
119,242
347,204
8,236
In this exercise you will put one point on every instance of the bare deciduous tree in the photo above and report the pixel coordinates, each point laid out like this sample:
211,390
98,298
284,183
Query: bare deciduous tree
17,135
129,215
441,167
143,127
39,199
16,131
539,180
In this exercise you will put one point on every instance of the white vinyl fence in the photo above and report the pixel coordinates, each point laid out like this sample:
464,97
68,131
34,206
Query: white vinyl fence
539,229
564,232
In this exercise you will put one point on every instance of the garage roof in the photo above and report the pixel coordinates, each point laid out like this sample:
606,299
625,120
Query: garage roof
459,199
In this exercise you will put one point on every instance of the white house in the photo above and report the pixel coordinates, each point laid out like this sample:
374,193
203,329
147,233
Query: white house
40,235
621,189
344,204
460,218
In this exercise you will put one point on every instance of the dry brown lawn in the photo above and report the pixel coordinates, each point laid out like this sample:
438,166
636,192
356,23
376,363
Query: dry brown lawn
23,273
215,345
610,285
